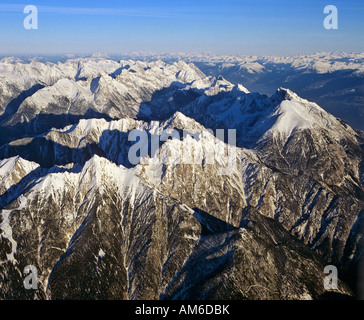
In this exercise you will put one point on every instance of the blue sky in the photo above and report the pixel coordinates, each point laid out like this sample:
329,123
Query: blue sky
261,27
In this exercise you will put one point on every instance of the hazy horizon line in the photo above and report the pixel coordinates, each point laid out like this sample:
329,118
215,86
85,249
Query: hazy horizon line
152,53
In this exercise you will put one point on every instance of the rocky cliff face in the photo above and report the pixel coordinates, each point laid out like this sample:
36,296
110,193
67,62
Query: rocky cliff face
197,216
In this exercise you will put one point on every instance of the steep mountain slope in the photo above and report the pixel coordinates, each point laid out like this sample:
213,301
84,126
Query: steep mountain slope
76,89
105,86
194,215
93,236
333,80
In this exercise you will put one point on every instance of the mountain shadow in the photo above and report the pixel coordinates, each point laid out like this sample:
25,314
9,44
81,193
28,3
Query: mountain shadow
13,106
42,123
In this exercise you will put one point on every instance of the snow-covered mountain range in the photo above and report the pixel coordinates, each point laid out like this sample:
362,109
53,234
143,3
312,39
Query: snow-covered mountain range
321,62
333,80
97,225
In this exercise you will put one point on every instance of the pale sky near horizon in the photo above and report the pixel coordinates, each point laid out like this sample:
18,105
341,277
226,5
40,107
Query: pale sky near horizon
256,27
